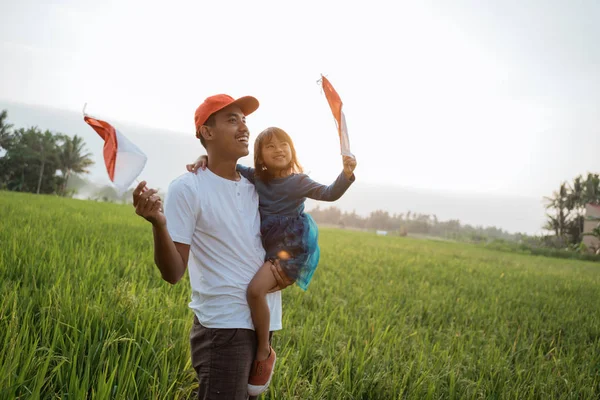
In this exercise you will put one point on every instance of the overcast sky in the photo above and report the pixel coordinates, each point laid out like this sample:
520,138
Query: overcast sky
466,96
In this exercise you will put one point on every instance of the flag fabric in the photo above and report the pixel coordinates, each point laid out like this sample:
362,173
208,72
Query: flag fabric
124,160
335,103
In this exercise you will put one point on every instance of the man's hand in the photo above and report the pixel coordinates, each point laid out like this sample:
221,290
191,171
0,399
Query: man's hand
280,276
349,165
200,163
149,205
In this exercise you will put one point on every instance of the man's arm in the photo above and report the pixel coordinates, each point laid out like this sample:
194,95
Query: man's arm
170,257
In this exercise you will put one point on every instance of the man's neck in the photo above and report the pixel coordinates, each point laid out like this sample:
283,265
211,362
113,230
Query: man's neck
225,168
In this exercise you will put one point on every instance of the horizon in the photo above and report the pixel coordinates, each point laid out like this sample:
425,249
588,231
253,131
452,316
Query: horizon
475,209
153,131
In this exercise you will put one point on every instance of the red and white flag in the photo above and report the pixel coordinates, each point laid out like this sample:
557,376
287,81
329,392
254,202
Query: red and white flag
124,160
335,103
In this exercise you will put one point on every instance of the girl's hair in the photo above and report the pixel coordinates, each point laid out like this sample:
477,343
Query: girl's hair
260,170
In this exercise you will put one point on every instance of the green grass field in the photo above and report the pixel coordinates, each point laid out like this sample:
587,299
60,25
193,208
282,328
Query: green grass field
84,314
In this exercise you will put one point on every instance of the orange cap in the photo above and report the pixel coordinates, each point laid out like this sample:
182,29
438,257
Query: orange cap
212,104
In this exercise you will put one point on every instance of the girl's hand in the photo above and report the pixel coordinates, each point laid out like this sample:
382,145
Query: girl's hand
201,162
349,165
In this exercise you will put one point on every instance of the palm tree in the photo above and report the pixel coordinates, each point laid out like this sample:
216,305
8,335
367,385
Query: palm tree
561,202
576,202
591,189
5,136
73,158
45,145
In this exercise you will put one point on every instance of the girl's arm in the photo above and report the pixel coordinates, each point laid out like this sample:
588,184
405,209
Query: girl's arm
317,191
246,172
202,161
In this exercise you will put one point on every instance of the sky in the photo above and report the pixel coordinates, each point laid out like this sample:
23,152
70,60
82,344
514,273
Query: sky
488,97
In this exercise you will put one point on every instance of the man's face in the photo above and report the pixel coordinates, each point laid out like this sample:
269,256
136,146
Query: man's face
230,134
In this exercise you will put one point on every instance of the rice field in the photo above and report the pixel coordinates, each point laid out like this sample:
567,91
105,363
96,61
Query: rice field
85,315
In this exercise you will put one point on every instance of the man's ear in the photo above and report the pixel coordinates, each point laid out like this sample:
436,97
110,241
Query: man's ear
205,131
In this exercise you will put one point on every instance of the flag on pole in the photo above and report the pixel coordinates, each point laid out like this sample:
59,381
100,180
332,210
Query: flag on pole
124,160
335,103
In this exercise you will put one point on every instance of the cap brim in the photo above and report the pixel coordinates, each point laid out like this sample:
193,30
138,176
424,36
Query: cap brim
247,104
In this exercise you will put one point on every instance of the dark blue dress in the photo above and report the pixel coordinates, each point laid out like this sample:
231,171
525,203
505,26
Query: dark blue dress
288,233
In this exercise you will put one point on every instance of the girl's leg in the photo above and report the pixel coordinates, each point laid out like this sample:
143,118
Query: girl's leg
258,288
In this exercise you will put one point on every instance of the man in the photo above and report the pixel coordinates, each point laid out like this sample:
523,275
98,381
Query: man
211,223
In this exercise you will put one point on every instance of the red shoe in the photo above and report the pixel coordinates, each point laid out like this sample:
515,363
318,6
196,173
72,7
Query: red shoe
261,374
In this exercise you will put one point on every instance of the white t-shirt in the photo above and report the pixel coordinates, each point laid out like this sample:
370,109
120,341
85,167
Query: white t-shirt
220,221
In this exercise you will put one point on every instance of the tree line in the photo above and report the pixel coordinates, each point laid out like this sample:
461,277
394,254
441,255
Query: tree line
566,208
409,223
39,161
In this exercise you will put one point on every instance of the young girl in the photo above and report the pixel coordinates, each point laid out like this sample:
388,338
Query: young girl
288,233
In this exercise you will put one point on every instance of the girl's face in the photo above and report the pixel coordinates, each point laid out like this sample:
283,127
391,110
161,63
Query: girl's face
277,155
